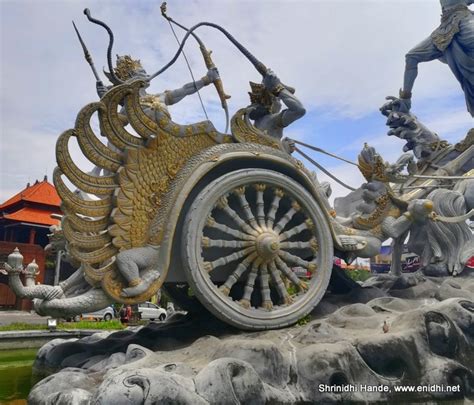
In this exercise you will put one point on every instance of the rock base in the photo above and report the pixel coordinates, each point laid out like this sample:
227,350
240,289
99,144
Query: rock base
349,351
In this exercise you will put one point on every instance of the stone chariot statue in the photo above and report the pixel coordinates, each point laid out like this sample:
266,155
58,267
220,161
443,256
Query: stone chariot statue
234,216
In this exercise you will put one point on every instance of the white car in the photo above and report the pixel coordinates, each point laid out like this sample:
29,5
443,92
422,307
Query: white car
151,311
105,314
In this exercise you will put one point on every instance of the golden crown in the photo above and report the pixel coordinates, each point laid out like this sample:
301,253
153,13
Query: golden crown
125,67
371,164
260,95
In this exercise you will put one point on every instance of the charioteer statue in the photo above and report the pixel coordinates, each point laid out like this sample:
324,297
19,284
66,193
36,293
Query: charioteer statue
267,99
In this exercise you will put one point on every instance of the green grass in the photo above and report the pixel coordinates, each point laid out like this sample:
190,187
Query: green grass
303,321
22,326
358,274
104,325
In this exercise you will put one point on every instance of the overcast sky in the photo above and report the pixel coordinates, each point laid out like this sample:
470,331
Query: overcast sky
342,56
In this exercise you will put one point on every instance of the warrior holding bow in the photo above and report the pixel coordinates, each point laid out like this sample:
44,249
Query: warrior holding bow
130,69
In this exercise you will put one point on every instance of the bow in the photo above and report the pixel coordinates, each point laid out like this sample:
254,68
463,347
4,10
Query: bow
261,68
111,74
207,60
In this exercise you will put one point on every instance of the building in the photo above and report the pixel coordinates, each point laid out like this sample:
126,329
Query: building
381,263
25,219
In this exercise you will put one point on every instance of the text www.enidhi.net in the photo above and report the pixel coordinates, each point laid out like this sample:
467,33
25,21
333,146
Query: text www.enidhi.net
388,389
427,388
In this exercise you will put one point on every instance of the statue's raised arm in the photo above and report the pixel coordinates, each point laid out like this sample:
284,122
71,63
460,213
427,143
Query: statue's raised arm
267,99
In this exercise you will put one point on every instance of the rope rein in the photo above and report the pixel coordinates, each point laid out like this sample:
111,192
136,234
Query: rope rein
324,170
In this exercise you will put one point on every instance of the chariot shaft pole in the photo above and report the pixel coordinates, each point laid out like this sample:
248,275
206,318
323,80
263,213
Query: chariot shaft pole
445,172
259,66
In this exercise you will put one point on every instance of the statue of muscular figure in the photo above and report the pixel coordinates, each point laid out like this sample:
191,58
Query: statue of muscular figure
267,99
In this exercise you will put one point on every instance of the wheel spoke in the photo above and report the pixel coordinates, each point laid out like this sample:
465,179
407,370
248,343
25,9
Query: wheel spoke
209,266
287,272
311,244
224,206
274,207
260,204
279,282
311,266
306,225
249,286
222,243
295,207
213,224
234,277
265,288
240,192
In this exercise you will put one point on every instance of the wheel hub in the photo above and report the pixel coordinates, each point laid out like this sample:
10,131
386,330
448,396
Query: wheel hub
267,245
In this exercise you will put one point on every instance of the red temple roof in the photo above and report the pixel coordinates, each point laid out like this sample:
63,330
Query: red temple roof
32,215
40,192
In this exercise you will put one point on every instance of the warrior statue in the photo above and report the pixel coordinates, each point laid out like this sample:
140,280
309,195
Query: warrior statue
266,99
452,43
439,164
130,69
129,262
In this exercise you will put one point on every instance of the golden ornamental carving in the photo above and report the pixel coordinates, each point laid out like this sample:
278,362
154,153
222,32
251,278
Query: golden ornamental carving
466,142
126,66
139,172
383,206
243,131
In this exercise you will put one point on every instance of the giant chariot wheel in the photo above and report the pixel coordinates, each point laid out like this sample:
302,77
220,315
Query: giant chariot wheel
257,249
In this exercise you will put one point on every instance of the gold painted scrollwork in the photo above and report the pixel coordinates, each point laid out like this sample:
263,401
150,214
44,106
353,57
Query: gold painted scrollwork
243,131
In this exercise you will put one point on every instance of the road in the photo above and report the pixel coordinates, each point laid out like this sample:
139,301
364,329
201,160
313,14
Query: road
8,317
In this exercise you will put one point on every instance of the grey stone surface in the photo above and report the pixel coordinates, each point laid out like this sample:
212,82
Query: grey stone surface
71,386
452,288
147,386
232,381
424,289
263,355
425,342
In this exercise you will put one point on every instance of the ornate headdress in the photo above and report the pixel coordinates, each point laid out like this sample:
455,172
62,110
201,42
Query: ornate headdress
125,66
371,164
260,95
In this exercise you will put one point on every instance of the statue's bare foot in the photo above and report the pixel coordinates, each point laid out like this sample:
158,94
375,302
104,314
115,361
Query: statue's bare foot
349,243
142,286
135,290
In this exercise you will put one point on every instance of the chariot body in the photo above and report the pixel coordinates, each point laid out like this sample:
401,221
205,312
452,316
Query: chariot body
235,217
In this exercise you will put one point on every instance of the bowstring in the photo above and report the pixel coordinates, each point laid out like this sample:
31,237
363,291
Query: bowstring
190,71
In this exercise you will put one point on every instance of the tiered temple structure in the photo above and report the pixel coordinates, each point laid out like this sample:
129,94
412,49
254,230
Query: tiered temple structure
25,219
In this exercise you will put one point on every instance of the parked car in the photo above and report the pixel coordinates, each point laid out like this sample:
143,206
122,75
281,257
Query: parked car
105,314
148,310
